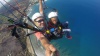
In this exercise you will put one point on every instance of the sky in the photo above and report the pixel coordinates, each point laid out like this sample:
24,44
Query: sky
3,2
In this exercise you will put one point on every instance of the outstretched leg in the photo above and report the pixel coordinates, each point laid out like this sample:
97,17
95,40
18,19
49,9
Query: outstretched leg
66,30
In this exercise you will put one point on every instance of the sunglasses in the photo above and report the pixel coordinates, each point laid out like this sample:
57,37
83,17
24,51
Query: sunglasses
39,20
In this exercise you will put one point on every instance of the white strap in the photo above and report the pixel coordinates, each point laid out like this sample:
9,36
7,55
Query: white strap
67,30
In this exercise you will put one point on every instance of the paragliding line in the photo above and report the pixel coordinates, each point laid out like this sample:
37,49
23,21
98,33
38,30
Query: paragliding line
7,9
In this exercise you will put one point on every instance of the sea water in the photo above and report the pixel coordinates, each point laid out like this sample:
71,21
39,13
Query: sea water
84,20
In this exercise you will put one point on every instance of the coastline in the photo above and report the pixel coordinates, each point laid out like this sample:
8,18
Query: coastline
10,45
34,46
28,39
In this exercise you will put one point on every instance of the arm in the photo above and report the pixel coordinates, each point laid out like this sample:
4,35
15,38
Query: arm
41,7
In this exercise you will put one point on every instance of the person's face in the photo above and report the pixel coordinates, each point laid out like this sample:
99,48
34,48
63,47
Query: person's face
39,22
54,20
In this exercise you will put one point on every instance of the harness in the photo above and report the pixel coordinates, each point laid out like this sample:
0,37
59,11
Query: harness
53,31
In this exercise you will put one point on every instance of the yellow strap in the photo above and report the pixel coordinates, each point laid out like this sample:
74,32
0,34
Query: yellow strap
59,27
48,31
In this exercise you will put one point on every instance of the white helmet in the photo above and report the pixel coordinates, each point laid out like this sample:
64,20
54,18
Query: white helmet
52,14
36,15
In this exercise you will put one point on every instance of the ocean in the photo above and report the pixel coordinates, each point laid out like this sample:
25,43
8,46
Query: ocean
83,17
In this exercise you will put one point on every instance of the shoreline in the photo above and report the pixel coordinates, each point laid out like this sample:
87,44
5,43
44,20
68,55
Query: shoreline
21,46
29,45
32,44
